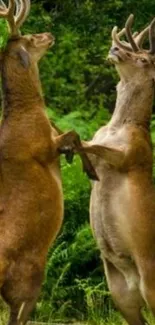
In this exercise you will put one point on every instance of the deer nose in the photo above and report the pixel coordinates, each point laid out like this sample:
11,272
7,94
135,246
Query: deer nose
50,37
114,49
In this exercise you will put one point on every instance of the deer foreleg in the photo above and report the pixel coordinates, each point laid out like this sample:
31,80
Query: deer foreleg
69,143
127,298
113,156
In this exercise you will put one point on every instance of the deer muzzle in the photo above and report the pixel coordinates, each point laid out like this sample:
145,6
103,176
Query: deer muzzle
113,55
46,39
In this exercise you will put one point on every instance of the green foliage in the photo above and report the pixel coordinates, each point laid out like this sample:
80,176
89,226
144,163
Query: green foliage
76,192
96,297
69,263
3,312
82,122
72,76
4,34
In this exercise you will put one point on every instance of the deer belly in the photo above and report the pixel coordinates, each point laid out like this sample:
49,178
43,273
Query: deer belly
34,209
108,218
50,205
52,209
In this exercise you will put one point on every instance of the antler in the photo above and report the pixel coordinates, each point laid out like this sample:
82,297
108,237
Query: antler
136,39
152,37
140,37
24,10
129,33
15,20
116,40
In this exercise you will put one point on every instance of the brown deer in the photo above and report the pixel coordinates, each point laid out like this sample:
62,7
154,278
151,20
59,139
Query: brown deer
31,198
122,205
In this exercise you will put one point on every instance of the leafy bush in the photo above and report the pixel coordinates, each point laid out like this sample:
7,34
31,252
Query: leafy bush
69,263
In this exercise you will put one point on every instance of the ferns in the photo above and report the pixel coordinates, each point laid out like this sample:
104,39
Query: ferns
68,266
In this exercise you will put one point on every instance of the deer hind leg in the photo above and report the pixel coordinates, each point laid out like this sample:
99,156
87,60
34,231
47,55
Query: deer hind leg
127,299
19,315
147,283
21,307
20,291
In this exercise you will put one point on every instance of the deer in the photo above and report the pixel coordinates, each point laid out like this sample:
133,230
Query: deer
31,195
122,202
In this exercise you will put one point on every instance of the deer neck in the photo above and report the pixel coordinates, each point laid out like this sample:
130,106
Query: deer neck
134,103
20,91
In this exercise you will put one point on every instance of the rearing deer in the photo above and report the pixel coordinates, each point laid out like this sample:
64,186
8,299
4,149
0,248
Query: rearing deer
31,199
122,206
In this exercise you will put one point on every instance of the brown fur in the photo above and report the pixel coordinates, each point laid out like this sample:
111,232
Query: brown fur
31,196
122,205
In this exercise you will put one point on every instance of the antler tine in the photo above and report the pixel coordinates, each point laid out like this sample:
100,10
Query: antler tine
23,12
17,7
121,33
117,41
129,33
8,13
3,4
139,38
135,34
152,37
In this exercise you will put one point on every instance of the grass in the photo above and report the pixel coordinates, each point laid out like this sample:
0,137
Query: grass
113,318
4,312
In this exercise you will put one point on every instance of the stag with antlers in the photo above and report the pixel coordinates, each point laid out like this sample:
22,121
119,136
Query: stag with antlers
31,198
122,206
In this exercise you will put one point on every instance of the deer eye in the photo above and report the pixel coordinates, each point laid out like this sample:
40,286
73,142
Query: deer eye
143,60
31,40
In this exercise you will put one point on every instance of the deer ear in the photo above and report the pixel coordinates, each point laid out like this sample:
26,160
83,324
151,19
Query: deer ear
24,57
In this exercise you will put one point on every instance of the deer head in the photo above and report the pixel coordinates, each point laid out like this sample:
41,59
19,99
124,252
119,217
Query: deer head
23,50
130,59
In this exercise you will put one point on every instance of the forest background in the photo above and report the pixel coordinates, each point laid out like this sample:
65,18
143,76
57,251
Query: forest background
79,89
